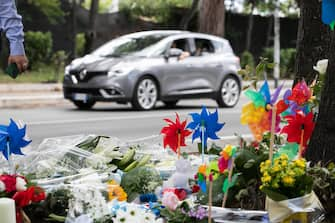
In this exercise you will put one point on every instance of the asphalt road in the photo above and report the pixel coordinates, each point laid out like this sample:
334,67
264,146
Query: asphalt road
114,120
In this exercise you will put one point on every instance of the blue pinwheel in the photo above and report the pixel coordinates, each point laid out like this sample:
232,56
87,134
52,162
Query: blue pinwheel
205,125
328,13
12,139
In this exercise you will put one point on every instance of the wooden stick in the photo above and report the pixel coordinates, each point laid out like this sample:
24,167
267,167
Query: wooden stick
301,145
178,144
210,202
229,180
272,137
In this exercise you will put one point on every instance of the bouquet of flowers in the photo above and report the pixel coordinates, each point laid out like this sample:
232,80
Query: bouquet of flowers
288,188
22,192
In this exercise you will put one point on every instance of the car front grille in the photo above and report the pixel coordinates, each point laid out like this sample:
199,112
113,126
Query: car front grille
93,92
82,76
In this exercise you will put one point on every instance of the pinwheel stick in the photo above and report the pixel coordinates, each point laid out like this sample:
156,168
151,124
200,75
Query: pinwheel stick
301,145
10,163
203,142
272,137
178,148
230,175
210,202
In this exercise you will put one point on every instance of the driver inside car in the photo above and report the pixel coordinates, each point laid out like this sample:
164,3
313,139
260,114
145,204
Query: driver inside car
183,55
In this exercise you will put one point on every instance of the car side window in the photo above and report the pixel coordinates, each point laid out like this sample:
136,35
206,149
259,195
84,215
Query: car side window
203,47
181,44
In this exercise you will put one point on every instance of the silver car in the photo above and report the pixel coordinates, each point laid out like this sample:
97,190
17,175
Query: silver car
144,67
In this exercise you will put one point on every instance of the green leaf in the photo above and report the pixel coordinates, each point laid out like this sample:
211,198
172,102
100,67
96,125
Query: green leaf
249,164
274,195
227,184
270,65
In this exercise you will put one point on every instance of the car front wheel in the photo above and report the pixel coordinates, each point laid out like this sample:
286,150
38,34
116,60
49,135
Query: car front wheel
84,105
229,93
145,95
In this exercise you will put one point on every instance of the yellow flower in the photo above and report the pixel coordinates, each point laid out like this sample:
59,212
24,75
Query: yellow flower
266,179
300,163
283,157
284,163
267,163
276,168
116,191
288,181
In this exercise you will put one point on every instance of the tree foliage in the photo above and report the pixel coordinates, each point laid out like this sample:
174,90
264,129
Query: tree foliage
50,8
157,11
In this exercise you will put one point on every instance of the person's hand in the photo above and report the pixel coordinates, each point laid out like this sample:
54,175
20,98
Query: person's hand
20,60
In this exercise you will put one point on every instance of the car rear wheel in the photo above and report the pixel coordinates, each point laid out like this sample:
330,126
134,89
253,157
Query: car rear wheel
229,93
84,105
170,104
146,94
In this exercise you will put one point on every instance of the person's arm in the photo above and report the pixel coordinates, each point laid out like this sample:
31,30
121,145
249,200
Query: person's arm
11,24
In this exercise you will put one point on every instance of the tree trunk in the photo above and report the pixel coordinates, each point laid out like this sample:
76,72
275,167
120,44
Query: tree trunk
212,17
91,33
313,40
322,144
73,30
189,15
250,27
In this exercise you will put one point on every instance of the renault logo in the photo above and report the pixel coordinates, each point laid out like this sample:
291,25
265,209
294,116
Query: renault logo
82,74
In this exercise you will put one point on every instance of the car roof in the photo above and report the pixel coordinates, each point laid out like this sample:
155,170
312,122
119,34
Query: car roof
174,34
154,32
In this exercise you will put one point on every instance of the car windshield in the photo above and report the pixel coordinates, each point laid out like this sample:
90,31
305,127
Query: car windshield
125,45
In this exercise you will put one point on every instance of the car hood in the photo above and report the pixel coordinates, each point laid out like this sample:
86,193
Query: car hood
96,63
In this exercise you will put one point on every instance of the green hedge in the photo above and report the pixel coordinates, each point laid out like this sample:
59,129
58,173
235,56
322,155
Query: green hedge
38,47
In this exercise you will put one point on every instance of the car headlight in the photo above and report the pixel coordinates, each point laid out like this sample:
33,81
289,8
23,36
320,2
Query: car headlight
118,72
67,70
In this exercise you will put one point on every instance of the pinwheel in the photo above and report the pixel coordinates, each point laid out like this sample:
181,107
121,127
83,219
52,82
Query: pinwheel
175,134
328,13
226,154
256,113
300,93
226,162
205,125
201,177
299,129
12,139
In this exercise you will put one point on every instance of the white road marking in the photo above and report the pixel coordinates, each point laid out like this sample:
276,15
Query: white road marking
142,116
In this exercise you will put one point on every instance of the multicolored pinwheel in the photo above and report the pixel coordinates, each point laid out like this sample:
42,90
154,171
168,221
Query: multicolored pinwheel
328,13
175,134
299,129
205,125
256,113
12,139
226,162
225,158
201,177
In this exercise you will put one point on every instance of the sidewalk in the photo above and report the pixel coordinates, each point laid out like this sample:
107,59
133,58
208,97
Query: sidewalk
34,95
30,95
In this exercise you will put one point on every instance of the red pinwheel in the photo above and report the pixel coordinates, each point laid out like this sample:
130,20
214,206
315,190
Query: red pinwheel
175,134
300,93
299,128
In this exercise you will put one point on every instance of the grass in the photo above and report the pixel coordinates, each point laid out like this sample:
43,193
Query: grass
44,74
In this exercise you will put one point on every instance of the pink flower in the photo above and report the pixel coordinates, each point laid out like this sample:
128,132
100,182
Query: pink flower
170,200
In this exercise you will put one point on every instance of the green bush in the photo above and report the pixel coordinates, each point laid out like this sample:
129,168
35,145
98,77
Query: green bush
38,47
80,44
287,60
157,11
247,59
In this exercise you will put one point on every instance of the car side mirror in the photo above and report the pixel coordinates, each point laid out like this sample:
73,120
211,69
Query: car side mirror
175,52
